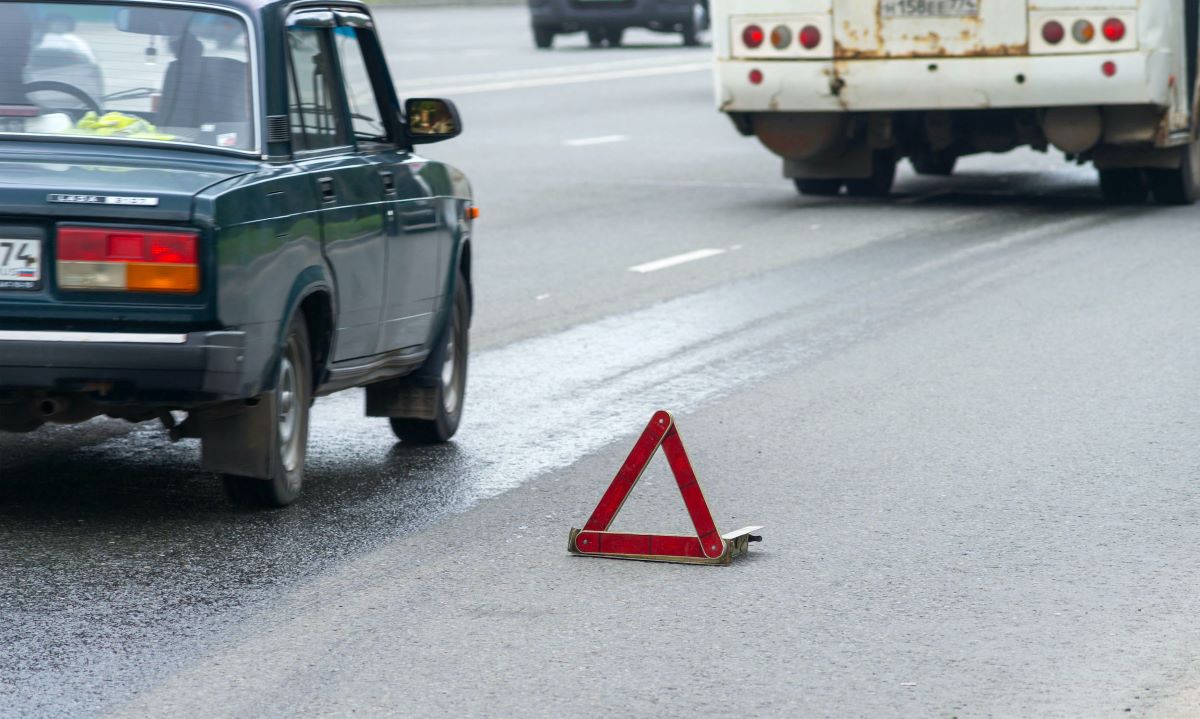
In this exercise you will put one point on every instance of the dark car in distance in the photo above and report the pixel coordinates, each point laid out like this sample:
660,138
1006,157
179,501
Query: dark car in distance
216,209
605,21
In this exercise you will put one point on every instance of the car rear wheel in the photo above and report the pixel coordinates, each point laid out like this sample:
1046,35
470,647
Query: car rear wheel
291,399
819,188
1123,186
595,37
694,26
449,361
543,37
1181,185
614,35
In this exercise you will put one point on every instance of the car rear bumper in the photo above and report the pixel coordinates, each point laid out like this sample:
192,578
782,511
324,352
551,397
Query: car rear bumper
961,83
569,15
198,365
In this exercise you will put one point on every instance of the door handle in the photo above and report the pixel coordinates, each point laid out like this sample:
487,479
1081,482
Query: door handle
389,181
327,192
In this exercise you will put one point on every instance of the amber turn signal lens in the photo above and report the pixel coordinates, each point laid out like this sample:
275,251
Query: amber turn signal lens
781,37
1083,31
157,277
472,213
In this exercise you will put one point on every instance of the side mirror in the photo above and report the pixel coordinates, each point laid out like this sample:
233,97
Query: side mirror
431,120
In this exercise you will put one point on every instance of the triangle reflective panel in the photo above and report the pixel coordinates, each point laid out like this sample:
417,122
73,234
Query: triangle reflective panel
706,546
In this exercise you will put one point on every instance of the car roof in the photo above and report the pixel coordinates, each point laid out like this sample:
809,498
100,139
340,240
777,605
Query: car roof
261,7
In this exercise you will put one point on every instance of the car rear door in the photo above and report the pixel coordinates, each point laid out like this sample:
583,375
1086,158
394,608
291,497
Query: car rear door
929,28
347,186
413,226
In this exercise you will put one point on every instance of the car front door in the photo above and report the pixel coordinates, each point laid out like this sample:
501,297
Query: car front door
353,217
412,223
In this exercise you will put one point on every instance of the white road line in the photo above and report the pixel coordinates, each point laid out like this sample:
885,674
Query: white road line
568,79
666,262
602,140
531,72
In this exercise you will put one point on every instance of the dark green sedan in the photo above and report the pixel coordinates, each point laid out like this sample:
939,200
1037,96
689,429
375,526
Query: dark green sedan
216,209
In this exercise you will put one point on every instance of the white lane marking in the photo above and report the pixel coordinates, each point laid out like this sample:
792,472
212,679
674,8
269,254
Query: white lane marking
674,260
602,140
480,77
568,80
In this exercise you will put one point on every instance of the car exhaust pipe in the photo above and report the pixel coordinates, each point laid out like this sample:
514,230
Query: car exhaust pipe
48,408
62,410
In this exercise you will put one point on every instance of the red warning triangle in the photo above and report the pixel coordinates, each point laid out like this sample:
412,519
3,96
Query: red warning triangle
707,546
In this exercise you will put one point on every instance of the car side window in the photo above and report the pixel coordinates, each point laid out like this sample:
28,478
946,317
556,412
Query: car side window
366,113
312,100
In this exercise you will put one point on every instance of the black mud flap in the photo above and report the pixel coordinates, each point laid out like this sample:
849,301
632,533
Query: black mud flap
239,439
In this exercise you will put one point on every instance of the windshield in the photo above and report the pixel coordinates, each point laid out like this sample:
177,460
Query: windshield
127,72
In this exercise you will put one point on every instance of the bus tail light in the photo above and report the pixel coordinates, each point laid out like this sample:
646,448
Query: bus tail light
1053,32
753,36
1113,29
810,37
120,259
781,37
1083,31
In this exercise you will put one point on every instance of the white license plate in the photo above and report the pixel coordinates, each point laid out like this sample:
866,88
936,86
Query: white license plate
20,264
929,8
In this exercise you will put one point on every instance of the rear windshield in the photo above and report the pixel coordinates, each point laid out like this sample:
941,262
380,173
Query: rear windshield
126,72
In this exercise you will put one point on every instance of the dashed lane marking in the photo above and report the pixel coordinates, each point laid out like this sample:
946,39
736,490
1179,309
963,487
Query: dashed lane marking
602,140
674,260
536,82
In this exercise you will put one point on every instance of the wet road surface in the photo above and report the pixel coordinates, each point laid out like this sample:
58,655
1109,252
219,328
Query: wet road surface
966,416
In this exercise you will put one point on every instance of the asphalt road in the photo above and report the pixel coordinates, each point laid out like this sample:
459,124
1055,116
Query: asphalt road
967,417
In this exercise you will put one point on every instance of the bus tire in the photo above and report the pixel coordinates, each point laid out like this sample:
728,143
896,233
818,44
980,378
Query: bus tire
1177,186
1123,186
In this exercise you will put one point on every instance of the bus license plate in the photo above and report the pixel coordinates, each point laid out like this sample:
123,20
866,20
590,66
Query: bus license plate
929,8
20,264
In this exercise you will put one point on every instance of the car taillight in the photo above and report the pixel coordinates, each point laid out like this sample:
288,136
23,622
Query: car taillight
105,258
1083,31
1053,32
810,37
1113,29
781,37
753,36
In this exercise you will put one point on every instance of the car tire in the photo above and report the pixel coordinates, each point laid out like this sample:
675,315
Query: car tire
933,164
819,188
543,37
1123,186
614,35
292,398
694,26
1181,185
879,183
595,37
448,363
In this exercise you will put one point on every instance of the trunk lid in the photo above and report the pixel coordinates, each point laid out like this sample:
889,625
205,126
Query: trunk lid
929,28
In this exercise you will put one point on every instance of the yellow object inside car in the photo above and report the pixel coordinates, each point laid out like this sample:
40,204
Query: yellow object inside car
120,125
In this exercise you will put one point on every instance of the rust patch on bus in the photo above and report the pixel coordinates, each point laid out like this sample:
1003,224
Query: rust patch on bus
880,51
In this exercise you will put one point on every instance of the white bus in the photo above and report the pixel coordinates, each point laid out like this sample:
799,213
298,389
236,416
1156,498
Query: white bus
844,89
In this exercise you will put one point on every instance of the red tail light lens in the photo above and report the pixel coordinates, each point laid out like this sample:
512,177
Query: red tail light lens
753,36
1113,29
1053,32
756,77
101,258
810,37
